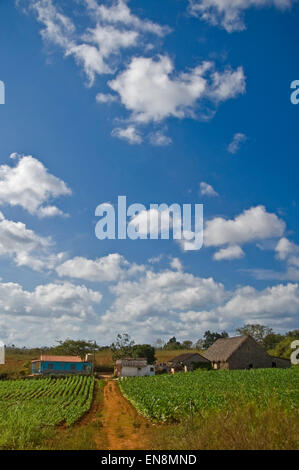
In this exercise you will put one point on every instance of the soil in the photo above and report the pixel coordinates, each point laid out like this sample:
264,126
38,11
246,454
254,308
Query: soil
123,427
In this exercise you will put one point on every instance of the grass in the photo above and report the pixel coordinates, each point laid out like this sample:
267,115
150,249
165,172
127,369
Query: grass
242,428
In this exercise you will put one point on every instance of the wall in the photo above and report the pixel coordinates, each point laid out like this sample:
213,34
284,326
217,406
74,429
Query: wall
65,368
250,353
136,372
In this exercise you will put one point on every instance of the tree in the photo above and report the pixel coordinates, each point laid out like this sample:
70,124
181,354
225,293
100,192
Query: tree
187,344
122,347
173,344
211,337
144,350
283,348
70,347
256,331
271,340
200,343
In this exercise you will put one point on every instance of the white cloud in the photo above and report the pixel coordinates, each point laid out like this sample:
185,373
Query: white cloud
25,247
49,300
153,304
58,28
106,98
235,144
229,14
207,190
115,29
286,249
159,139
158,294
130,134
252,225
272,303
176,264
30,185
120,14
231,252
150,90
108,268
177,303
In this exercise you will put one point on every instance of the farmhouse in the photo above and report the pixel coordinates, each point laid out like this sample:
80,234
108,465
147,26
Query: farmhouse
188,361
133,367
61,365
241,352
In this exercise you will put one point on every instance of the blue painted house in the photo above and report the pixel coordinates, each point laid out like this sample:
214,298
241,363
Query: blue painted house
61,365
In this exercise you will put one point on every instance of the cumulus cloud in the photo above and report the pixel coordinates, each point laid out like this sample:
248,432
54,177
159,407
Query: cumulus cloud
287,250
30,185
176,302
48,300
207,190
229,14
150,304
236,143
252,225
151,90
114,28
108,268
231,252
130,134
271,303
25,247
160,293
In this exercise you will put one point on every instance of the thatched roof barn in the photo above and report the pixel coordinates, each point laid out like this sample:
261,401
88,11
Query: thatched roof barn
189,360
241,352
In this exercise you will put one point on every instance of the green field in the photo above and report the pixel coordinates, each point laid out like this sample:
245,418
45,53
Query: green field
167,397
28,407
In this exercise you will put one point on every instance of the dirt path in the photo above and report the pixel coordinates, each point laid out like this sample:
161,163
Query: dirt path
124,429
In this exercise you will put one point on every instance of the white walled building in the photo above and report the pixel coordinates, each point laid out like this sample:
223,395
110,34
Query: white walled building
133,367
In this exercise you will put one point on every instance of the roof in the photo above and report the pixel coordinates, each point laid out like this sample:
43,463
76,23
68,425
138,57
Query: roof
59,359
187,357
280,358
223,348
132,362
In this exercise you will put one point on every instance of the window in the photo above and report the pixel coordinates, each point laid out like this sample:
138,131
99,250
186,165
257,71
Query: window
250,366
152,369
273,364
50,366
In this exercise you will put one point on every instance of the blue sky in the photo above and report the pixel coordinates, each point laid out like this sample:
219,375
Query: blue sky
171,101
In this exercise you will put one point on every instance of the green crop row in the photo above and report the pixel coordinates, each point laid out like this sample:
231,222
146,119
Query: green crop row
27,406
170,397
